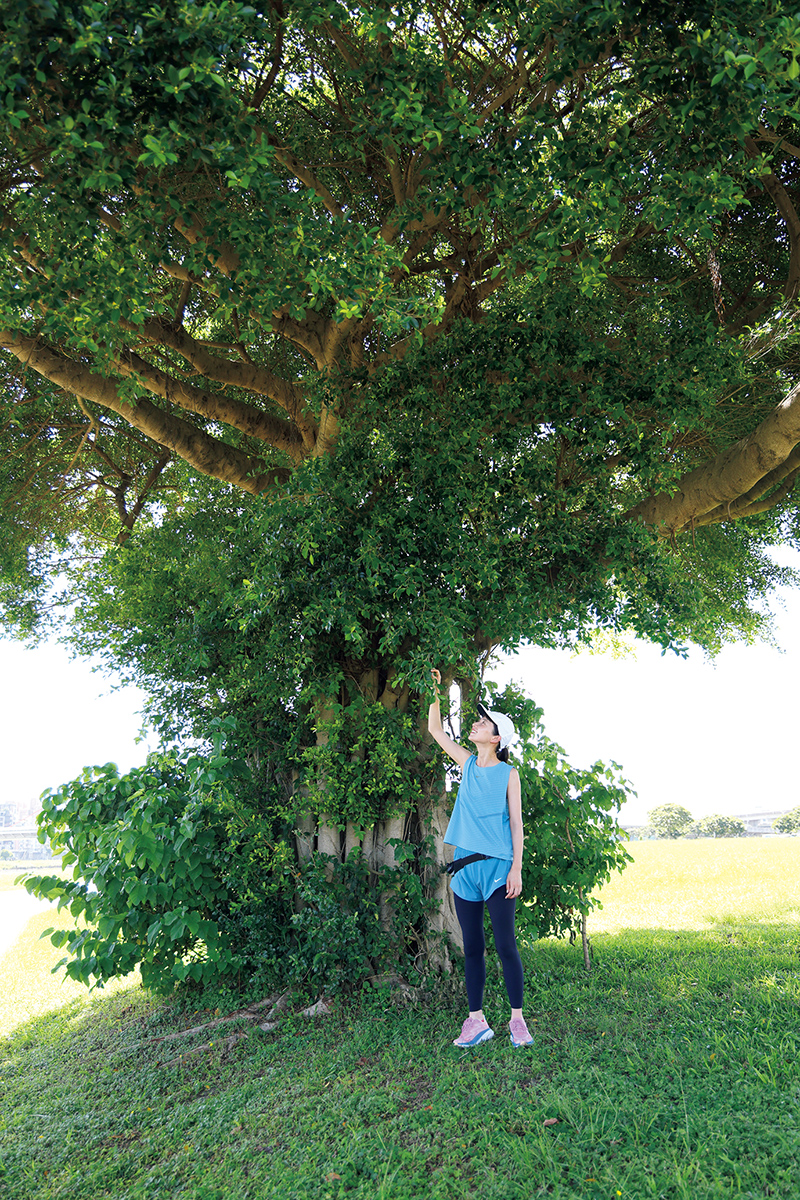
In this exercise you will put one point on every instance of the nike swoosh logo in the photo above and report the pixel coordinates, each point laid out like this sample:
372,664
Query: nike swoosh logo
500,880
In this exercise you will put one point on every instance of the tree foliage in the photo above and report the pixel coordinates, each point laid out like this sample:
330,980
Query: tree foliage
788,822
225,226
149,855
716,825
669,820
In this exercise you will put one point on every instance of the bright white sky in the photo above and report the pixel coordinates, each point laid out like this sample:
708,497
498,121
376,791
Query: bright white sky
715,737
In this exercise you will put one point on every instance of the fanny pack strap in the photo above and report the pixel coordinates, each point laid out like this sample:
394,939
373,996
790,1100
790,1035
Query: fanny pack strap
458,863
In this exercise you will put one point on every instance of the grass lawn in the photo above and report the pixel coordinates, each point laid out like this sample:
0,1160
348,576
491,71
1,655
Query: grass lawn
672,1070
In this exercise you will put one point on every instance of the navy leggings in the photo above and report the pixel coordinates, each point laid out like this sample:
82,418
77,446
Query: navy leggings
470,918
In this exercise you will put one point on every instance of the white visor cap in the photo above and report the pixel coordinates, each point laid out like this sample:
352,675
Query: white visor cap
505,726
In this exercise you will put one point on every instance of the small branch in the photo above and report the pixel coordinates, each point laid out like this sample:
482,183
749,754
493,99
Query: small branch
341,43
587,962
783,203
177,320
152,478
765,136
307,176
507,94
263,90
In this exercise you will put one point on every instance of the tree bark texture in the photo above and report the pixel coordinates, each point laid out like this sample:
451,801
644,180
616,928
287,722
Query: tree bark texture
749,477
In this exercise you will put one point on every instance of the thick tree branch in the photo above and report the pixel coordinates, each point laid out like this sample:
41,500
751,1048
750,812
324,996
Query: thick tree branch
744,509
245,375
215,406
745,472
203,452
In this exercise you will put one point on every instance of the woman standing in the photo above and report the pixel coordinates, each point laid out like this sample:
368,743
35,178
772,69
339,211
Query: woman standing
486,829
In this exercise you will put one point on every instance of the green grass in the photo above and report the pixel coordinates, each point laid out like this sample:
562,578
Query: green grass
704,884
672,1070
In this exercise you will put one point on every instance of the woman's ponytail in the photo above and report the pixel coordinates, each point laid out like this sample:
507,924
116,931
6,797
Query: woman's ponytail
501,754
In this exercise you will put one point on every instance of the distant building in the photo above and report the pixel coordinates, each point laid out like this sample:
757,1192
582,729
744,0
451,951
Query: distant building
759,824
22,842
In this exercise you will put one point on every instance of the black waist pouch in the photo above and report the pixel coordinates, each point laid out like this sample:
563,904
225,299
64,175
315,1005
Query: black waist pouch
457,863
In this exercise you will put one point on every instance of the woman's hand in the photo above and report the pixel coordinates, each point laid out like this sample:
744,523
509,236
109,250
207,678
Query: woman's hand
436,676
514,883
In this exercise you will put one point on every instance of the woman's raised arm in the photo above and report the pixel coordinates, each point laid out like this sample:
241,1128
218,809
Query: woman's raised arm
458,753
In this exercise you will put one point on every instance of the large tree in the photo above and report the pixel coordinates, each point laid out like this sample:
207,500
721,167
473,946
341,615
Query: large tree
485,313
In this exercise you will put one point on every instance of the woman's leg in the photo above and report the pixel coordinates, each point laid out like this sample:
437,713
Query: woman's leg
470,918
502,911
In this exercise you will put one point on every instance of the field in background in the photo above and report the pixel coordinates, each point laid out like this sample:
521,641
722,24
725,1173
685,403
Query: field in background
702,884
670,1072
10,870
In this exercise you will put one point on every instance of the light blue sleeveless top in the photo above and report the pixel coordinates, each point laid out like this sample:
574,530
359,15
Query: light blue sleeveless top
480,822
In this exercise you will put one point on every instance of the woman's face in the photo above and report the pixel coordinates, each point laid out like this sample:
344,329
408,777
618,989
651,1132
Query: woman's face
483,731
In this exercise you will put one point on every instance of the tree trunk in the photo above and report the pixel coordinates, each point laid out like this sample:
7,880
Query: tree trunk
326,834
445,921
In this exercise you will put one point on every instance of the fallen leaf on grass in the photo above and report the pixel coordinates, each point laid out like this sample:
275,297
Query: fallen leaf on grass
551,1121
329,1178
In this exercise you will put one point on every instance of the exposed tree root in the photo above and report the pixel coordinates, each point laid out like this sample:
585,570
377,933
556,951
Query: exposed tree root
402,992
277,1006
250,1013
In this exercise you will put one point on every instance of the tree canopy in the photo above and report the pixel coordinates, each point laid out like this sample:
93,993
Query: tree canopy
788,822
669,820
553,246
716,825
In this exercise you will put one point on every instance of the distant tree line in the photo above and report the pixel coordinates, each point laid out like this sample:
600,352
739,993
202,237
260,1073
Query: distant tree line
675,821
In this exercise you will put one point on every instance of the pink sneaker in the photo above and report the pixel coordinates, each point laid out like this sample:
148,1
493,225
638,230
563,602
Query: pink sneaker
473,1032
520,1035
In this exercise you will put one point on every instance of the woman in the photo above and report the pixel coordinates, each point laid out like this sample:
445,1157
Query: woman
486,829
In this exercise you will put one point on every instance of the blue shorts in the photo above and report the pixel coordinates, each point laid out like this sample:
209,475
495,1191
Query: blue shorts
479,879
